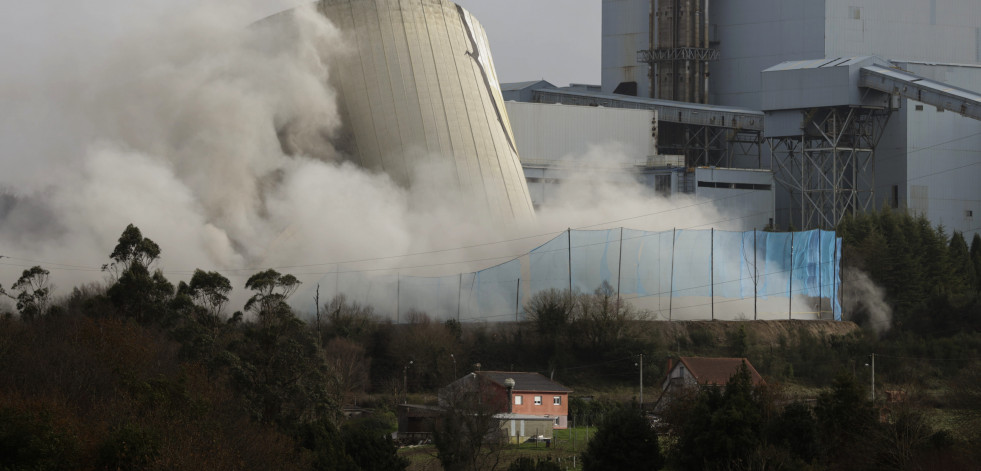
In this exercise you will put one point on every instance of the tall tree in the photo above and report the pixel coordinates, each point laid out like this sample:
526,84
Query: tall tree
138,292
795,430
132,248
624,441
844,418
210,291
976,260
963,278
272,289
466,434
33,298
723,429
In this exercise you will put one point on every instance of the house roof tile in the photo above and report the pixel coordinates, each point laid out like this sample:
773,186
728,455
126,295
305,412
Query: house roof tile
717,371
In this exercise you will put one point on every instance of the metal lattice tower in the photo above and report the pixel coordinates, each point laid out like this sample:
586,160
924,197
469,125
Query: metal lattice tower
830,167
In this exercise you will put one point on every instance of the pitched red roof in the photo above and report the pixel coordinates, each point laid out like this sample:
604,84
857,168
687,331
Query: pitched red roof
717,371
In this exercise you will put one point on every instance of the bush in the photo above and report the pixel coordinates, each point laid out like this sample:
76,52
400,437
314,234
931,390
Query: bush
30,440
625,441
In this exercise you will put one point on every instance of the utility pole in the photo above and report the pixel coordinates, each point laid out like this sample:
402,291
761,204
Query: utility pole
641,381
517,300
790,293
405,383
569,239
674,240
316,301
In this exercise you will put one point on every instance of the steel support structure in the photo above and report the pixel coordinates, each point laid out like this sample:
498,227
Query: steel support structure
654,56
829,169
708,146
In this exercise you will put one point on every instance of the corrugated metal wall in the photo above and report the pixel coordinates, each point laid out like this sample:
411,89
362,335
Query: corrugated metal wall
417,85
558,132
943,156
914,30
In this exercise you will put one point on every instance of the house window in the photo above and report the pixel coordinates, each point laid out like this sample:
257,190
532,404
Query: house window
517,400
556,400
538,400
556,421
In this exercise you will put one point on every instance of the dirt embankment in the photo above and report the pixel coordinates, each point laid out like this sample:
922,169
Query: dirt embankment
760,333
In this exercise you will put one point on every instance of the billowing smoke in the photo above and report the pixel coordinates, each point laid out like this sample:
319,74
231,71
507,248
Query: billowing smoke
211,136
215,139
864,301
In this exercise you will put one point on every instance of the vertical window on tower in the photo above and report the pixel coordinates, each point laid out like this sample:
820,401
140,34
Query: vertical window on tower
895,196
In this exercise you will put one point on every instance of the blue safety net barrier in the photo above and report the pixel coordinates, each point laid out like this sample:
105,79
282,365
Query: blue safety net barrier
676,274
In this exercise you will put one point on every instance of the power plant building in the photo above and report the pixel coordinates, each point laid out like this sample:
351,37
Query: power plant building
419,87
926,158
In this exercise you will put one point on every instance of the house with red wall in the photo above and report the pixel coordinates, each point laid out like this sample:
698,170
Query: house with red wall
519,393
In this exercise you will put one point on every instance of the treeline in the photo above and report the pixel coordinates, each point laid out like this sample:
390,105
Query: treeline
747,426
932,279
147,375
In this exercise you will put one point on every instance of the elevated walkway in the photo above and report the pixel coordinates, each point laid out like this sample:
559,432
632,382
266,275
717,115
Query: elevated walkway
706,135
901,83
667,111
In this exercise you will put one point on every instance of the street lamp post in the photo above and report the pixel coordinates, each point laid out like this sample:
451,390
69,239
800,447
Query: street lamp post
872,364
405,383
454,366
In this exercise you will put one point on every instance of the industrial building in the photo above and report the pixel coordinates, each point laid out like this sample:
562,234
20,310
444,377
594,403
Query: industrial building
830,156
419,87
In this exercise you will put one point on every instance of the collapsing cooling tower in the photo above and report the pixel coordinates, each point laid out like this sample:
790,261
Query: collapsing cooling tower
419,85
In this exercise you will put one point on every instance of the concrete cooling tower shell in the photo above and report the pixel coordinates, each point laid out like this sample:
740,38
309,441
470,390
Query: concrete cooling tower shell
418,85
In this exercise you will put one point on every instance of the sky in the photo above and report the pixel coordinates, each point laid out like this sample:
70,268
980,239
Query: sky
555,40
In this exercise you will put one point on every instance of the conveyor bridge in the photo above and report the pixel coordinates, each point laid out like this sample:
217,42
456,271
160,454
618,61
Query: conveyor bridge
706,135
930,92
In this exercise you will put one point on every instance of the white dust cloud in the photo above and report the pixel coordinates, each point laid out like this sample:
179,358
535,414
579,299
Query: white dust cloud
860,295
215,139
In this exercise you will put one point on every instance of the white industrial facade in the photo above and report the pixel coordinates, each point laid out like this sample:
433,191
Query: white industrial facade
546,132
927,161
745,196
569,144
563,144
